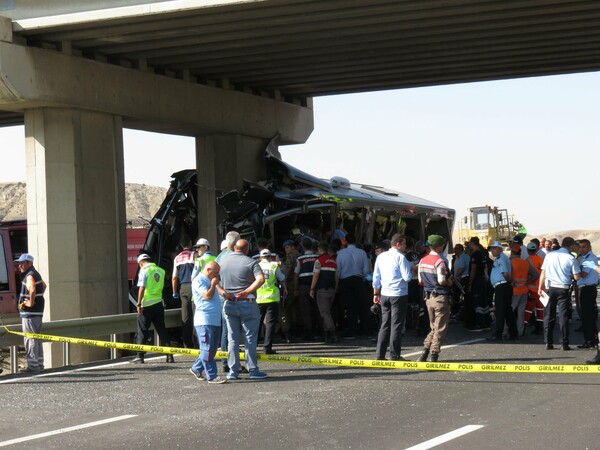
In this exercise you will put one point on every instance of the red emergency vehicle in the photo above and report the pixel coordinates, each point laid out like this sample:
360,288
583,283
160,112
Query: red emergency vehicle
13,242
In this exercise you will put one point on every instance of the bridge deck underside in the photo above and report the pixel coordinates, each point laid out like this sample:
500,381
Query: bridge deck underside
304,48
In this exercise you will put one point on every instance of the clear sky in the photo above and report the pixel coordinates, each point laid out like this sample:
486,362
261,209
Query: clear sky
530,145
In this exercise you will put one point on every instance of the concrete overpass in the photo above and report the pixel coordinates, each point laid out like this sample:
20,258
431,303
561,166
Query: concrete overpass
232,74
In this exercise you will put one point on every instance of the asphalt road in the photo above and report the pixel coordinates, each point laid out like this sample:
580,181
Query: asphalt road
312,407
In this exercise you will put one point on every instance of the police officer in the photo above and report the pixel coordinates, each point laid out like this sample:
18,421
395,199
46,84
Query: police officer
559,269
150,309
588,291
436,279
203,256
501,280
268,297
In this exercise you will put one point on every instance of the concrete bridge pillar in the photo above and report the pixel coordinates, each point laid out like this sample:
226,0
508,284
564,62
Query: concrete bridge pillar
223,161
76,215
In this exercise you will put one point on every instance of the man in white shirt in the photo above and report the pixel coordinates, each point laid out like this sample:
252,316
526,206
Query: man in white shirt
390,289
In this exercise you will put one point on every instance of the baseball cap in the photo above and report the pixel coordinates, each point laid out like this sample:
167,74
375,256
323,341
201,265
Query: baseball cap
202,241
24,257
142,257
496,244
265,252
531,246
223,244
288,242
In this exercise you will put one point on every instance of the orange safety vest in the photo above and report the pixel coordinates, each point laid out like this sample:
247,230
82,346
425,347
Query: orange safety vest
537,262
520,271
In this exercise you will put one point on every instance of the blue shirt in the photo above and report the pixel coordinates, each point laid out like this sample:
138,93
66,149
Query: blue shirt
392,273
588,264
560,266
501,265
352,261
208,312
462,262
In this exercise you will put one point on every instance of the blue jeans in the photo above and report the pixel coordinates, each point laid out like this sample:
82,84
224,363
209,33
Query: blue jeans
242,316
224,340
208,340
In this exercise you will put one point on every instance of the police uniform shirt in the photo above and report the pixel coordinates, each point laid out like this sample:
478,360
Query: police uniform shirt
500,266
560,266
588,264
142,276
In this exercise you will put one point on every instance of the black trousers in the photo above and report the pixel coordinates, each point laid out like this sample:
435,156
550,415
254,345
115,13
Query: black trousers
393,312
151,315
589,312
504,311
269,314
559,299
481,302
352,294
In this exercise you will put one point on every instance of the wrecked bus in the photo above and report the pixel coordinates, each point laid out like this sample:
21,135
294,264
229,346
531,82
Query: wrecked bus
290,199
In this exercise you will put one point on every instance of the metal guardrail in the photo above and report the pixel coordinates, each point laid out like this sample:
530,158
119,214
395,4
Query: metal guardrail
86,327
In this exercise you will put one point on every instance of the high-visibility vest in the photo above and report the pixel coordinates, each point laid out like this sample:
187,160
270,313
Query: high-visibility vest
520,271
155,280
536,262
202,261
268,292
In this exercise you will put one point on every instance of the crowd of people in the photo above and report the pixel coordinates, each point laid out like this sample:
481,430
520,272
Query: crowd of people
528,288
323,290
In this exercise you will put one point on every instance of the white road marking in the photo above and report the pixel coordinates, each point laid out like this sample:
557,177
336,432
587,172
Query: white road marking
445,437
64,430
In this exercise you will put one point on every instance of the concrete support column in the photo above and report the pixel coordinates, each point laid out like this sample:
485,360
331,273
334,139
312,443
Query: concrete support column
76,215
223,161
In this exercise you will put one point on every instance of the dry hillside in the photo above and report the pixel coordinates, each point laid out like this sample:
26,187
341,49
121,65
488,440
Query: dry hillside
141,201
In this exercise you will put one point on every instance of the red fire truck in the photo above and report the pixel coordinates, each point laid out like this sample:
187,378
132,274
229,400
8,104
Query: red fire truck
13,242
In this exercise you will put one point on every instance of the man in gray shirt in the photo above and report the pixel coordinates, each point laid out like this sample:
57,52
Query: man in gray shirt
241,276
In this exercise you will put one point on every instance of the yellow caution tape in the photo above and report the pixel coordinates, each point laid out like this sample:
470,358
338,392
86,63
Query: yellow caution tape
339,362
